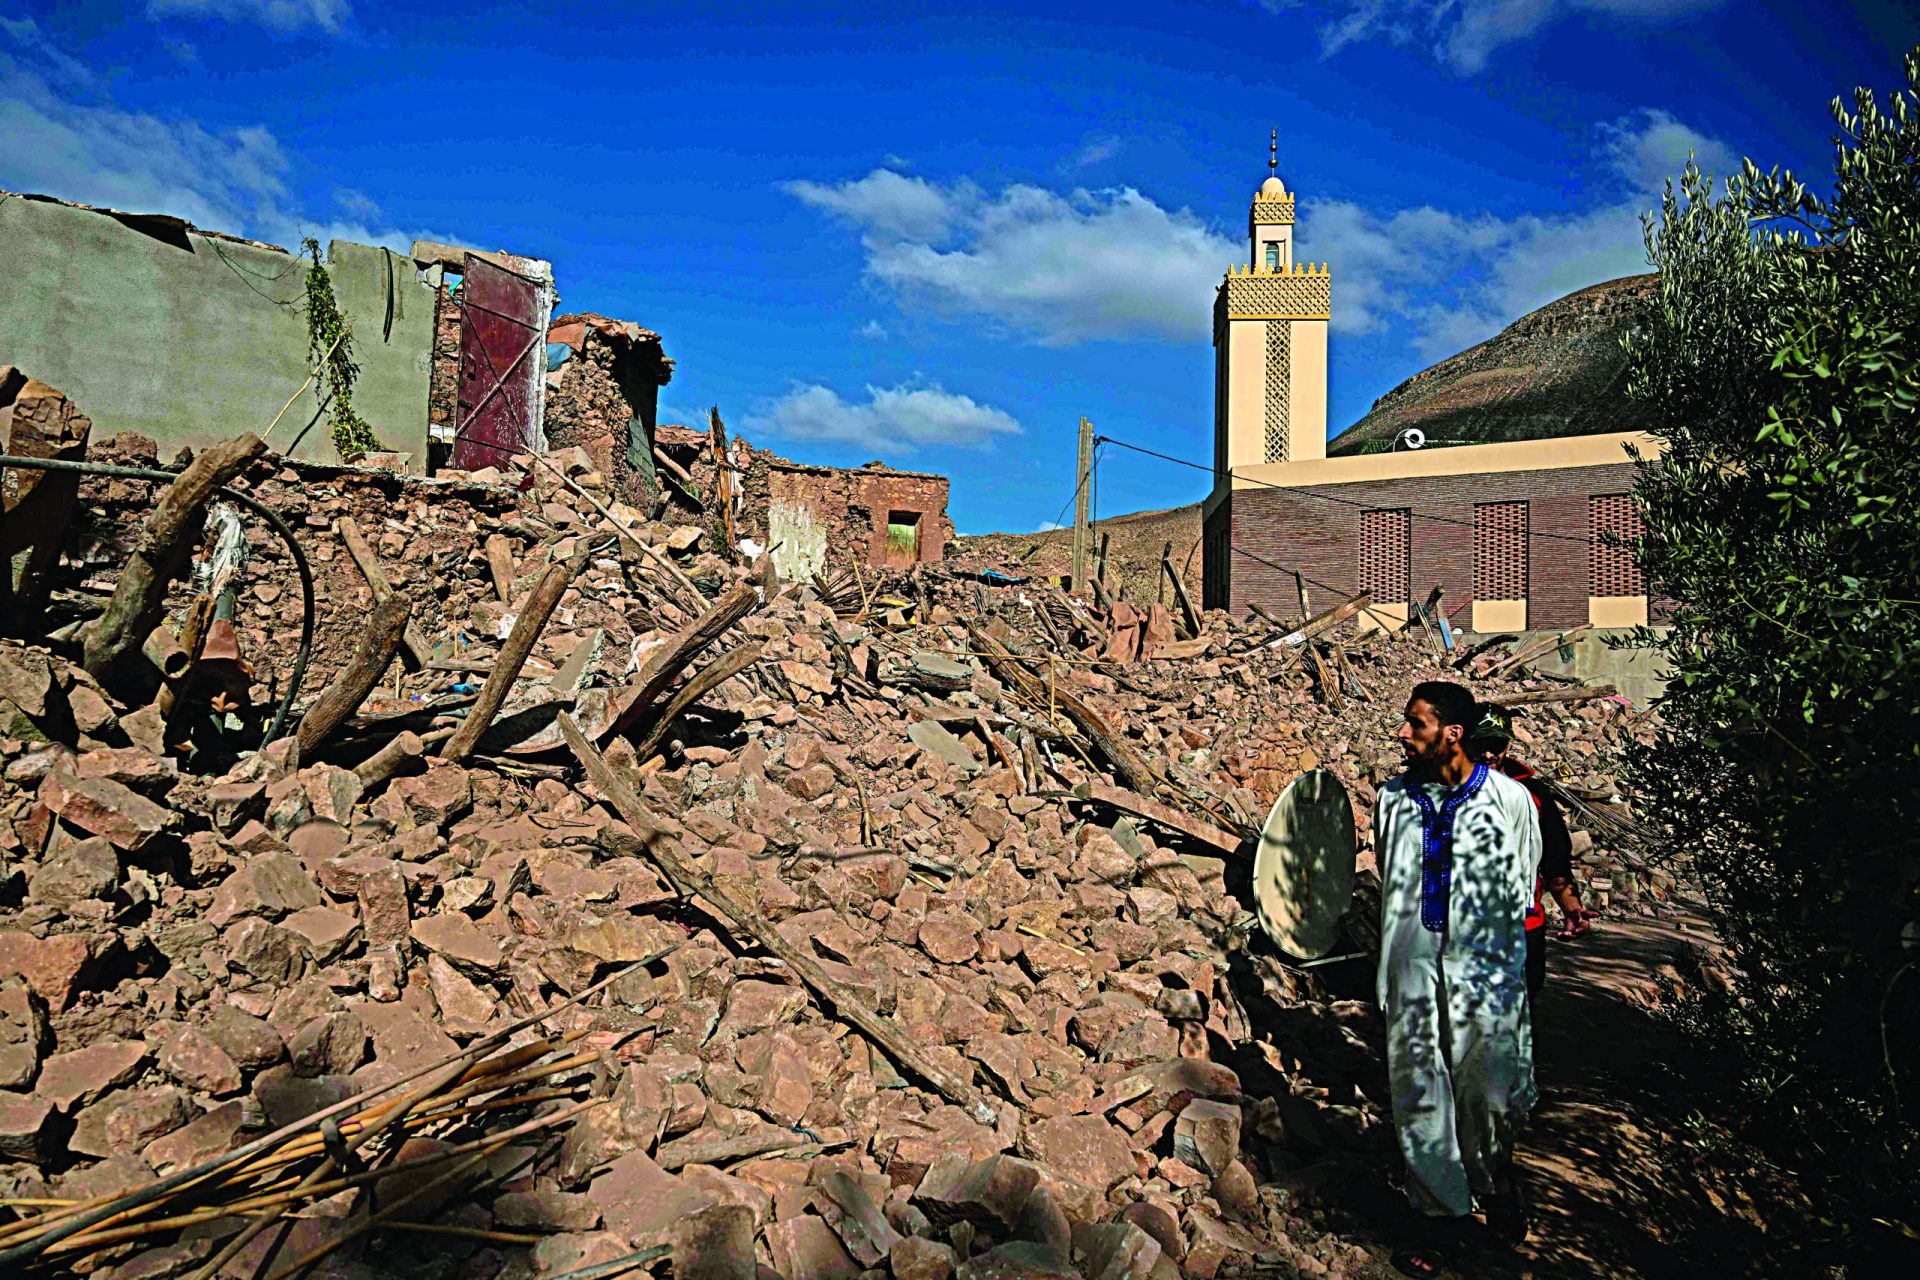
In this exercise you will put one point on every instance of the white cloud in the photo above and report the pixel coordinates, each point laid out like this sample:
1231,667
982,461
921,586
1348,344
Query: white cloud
1466,33
1048,526
1104,147
329,16
1648,147
93,152
885,202
1060,268
1456,279
871,329
902,418
42,53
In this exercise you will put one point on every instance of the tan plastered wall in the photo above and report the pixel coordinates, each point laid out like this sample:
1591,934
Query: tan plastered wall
1377,616
1518,455
1246,394
1307,409
1265,231
1617,611
1499,615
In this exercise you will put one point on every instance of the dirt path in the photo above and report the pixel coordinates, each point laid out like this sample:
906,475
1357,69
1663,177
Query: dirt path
1616,1192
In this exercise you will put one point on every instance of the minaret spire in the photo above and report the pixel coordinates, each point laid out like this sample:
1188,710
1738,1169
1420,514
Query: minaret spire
1273,154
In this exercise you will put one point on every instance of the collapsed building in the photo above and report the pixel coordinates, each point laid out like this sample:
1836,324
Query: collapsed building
609,902
185,336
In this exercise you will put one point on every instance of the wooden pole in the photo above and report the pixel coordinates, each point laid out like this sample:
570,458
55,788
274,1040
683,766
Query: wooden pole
1187,610
158,552
1083,481
748,923
416,651
673,657
378,643
534,612
500,565
723,481
716,673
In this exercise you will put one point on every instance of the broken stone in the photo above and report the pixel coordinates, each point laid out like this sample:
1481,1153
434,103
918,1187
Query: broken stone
23,1127
459,940
807,1249
465,1009
266,884
249,1041
324,931
1086,1148
24,1036
54,967
74,1079
103,807
85,869
263,951
714,1243
127,1122
190,1056
333,1044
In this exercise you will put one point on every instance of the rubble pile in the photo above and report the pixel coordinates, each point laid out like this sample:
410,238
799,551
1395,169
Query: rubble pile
882,944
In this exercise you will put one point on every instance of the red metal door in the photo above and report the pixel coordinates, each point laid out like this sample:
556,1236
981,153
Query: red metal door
502,330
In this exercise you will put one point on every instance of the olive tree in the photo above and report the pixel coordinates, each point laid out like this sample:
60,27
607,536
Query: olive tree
1781,358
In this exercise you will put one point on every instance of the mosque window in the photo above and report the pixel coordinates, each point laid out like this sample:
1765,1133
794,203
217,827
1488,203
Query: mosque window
1273,255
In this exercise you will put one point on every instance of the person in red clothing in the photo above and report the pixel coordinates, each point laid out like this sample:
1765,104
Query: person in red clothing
1491,741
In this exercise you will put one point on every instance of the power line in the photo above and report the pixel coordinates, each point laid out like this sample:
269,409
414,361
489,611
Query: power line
1232,546
1327,497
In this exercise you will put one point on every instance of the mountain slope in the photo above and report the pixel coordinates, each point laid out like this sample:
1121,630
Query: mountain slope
1557,371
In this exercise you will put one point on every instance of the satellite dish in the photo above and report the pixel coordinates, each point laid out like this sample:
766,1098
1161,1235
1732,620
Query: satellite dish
1303,870
1413,437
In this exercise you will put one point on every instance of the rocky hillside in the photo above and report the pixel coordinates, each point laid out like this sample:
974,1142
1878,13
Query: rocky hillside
1557,371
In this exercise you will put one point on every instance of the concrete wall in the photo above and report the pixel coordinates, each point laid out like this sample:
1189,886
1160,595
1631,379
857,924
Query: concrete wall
188,338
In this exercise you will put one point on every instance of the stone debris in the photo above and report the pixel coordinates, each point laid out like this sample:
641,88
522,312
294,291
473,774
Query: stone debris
201,944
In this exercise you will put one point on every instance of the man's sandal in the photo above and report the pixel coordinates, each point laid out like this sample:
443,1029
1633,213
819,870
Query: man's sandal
1577,927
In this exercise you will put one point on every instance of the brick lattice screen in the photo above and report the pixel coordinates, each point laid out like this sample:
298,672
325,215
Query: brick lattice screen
1279,408
1500,551
1611,570
1386,545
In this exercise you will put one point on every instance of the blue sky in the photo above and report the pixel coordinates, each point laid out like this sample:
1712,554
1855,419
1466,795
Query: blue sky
942,238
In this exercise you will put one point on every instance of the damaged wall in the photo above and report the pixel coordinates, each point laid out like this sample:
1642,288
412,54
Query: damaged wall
603,394
818,515
188,338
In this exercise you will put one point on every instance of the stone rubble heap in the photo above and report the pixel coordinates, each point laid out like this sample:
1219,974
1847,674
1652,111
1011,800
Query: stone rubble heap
189,961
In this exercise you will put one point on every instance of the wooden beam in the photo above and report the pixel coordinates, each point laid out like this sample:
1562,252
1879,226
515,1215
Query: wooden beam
1187,610
158,552
379,641
672,658
534,612
417,652
1585,693
1167,816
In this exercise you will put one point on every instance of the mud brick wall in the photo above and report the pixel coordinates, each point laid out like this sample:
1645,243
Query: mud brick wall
587,406
443,389
849,508
1303,529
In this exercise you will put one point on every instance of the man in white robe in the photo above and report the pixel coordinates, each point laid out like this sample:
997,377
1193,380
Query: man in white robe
1457,845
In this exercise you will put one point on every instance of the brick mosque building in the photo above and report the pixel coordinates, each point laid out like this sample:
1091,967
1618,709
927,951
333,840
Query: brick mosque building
1525,462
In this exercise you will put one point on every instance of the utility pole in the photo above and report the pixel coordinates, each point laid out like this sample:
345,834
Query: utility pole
1083,485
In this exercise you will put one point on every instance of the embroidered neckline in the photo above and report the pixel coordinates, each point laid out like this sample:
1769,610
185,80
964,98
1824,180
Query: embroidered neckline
1436,845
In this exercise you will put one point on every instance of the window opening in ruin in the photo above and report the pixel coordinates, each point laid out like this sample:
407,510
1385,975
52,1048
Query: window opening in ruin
1273,255
903,535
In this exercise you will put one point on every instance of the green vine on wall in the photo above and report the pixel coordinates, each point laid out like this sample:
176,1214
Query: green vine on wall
330,347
